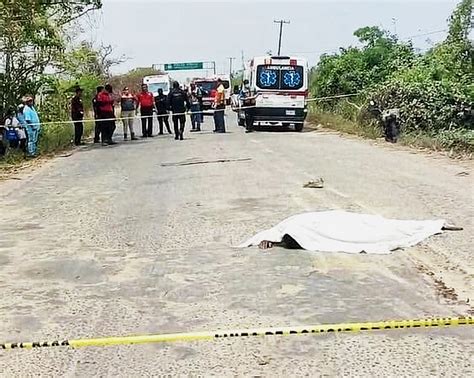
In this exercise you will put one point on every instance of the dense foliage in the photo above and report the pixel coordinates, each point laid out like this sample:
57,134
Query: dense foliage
434,91
34,40
132,79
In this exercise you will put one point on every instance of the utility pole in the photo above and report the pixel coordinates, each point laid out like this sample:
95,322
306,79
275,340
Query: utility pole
394,22
231,59
281,22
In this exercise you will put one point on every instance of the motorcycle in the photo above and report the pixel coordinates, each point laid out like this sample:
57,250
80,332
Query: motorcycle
390,120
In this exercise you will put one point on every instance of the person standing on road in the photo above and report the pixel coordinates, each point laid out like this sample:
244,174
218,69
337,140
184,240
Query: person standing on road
219,108
128,105
98,124
199,95
146,102
105,107
248,102
195,109
33,126
178,103
161,103
77,116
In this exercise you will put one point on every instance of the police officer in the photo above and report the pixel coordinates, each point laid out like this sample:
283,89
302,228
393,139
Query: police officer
161,103
178,103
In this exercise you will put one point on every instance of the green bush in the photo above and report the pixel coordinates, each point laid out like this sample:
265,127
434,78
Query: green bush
434,92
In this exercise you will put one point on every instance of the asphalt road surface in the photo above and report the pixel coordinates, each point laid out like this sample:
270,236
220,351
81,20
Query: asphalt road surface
133,239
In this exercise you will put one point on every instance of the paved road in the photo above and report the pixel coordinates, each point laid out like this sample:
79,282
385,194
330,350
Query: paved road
113,241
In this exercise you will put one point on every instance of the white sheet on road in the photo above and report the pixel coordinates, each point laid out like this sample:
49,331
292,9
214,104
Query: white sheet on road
342,231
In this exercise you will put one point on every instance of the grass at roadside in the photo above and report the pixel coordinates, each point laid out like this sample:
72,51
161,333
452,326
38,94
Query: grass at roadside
458,143
339,123
53,138
57,137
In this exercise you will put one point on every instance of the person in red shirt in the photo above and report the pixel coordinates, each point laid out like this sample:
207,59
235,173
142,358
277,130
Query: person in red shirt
105,107
146,101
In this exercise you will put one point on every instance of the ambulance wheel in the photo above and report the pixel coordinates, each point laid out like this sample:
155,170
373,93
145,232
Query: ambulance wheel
299,127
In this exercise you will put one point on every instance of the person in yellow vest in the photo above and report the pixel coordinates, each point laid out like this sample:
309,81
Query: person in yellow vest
219,108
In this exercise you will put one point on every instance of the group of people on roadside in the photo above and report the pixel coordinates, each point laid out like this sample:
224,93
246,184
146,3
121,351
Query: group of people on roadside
21,128
179,102
22,125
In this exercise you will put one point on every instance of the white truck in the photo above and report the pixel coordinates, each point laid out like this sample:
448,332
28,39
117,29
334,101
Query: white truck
280,87
156,82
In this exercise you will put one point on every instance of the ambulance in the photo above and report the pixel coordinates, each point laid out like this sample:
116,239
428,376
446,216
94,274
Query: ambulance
280,87
156,82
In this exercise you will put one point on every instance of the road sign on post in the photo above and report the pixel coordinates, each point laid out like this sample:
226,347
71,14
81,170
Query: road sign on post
184,66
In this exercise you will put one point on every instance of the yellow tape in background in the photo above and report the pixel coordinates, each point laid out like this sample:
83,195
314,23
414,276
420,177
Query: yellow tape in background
194,336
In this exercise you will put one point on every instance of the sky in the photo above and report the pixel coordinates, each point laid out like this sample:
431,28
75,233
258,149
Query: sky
151,32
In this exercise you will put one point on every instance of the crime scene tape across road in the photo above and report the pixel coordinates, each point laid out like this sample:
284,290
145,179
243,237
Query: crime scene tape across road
208,112
273,331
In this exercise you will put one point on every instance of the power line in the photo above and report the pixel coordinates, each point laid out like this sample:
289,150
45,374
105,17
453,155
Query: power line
336,49
428,33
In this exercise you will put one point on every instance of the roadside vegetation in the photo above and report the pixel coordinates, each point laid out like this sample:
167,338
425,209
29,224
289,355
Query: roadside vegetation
434,91
42,56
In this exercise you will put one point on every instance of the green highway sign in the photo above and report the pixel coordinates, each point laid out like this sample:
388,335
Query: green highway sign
184,66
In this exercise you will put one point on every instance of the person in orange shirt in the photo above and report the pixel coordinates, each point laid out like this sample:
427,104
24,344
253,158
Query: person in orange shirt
219,108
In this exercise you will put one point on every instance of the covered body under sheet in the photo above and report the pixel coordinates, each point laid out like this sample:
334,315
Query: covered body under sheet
342,231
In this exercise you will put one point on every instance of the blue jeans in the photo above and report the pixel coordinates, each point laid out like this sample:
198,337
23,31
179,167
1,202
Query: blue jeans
32,133
219,122
195,116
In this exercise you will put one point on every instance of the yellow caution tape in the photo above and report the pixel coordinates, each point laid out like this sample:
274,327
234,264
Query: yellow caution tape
301,330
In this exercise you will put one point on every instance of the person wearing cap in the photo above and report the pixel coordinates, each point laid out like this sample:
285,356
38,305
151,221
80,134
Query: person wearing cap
77,116
219,108
33,126
95,108
146,101
128,104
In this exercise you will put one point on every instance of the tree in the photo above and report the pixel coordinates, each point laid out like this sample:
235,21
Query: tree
354,69
85,59
32,39
132,79
371,35
433,91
